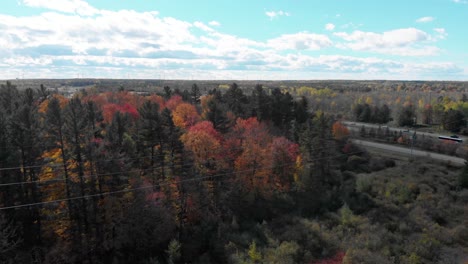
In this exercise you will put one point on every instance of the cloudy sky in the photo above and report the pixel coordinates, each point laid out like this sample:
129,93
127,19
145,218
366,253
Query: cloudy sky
242,39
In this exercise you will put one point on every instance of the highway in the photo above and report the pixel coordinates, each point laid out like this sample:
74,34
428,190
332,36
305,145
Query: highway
355,126
409,152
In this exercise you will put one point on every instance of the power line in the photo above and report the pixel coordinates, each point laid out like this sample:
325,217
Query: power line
165,184
60,165
120,172
57,145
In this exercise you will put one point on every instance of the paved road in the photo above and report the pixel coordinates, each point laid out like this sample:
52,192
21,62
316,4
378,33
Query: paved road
409,152
355,126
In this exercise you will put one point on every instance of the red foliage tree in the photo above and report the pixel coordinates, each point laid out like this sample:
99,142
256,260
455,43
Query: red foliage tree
173,102
109,110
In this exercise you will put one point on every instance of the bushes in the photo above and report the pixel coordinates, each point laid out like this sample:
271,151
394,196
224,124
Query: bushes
463,177
411,213
376,164
288,239
347,217
460,234
286,253
357,163
425,247
363,256
364,183
367,164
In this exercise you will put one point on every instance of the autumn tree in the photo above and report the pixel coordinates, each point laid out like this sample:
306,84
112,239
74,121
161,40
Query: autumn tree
204,143
253,163
339,131
173,102
185,115
283,162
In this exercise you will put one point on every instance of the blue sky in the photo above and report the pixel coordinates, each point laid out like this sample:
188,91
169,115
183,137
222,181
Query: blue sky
256,39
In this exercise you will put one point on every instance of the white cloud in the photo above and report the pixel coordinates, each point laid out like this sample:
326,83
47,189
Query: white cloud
202,26
214,23
278,67
113,44
110,32
67,6
351,25
300,41
425,19
274,14
403,42
330,26
442,34
440,30
460,1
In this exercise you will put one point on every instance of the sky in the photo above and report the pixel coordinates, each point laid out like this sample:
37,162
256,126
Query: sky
234,40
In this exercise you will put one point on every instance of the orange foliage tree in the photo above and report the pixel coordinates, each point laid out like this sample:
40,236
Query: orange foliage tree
204,142
157,99
263,163
339,131
284,155
205,101
185,115
253,165
44,105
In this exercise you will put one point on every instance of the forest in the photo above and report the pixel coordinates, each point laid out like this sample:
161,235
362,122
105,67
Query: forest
226,174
